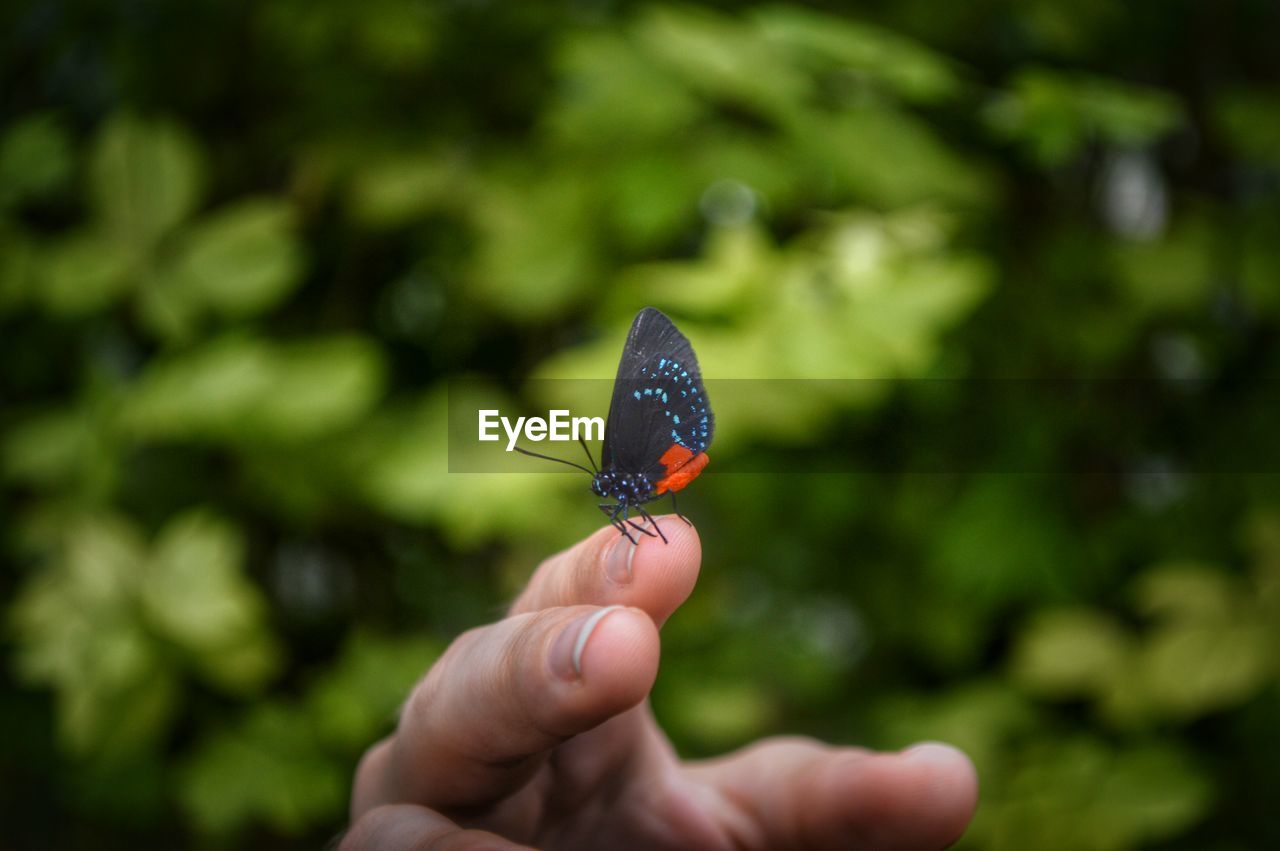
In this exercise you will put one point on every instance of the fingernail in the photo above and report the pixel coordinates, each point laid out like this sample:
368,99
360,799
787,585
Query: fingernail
617,564
930,751
566,652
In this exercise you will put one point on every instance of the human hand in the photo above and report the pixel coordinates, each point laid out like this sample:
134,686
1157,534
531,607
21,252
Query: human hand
536,730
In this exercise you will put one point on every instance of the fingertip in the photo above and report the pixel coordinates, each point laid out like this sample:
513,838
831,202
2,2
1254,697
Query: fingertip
662,575
948,782
923,797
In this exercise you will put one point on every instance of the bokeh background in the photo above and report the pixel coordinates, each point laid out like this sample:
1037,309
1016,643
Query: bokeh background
244,246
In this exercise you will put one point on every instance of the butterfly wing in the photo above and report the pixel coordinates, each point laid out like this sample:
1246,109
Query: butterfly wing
659,403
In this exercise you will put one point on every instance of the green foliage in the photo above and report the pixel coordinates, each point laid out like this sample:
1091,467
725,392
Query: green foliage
289,764
244,251
1056,115
113,625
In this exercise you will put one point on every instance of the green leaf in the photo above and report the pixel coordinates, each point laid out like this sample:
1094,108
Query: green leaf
718,714
1190,669
36,158
722,58
1070,653
1154,792
1078,794
1175,272
1000,542
616,94
78,634
984,718
399,190
1054,114
357,698
268,769
245,390
83,273
1259,258
19,267
50,448
239,261
1188,591
146,177
534,256
899,159
197,596
1249,119
906,67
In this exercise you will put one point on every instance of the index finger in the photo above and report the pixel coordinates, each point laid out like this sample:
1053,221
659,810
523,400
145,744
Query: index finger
607,569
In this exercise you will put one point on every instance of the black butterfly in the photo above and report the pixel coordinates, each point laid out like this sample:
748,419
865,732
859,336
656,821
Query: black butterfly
660,424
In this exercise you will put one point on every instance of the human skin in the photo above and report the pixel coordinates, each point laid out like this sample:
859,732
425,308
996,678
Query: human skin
535,732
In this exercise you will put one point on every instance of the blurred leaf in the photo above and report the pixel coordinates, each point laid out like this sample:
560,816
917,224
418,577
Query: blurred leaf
18,271
1259,257
736,263
1187,591
97,571
397,190
147,177
401,464
1191,669
241,389
906,67
532,258
982,718
1001,543
238,261
51,448
85,626
268,769
1054,114
358,698
886,157
287,765
652,198
196,595
1175,272
1249,118
77,635
1071,653
616,94
721,58
83,273
715,714
1079,794
36,158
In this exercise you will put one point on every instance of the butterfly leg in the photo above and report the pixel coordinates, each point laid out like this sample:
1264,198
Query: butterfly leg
649,519
675,508
613,511
639,528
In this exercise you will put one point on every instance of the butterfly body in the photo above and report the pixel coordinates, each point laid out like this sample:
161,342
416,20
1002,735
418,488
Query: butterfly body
660,422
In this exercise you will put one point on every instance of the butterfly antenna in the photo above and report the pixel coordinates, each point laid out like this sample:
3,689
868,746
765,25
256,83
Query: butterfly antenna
583,441
549,458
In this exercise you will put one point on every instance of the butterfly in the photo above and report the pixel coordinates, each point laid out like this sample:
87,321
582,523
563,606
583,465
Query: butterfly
659,426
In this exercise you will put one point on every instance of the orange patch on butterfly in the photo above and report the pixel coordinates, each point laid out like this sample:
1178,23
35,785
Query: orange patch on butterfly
682,467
